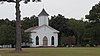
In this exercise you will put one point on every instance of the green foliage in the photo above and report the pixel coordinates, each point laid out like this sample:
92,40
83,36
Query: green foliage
59,23
93,29
8,31
7,34
94,14
29,22
78,26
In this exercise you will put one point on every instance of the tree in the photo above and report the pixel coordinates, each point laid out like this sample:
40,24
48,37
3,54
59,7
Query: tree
78,27
59,23
26,40
94,13
7,31
29,22
94,20
18,22
7,35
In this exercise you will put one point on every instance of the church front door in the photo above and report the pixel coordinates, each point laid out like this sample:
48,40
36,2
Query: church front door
45,41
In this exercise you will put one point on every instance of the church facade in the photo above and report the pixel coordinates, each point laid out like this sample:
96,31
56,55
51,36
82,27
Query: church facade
43,35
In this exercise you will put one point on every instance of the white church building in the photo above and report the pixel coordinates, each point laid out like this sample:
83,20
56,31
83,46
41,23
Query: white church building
43,35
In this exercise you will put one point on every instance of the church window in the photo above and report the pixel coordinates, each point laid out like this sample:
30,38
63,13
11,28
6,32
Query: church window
37,40
52,40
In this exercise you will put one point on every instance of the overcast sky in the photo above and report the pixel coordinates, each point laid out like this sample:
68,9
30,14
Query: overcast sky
68,8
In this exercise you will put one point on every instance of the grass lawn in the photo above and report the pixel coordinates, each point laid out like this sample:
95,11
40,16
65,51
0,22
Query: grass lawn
52,52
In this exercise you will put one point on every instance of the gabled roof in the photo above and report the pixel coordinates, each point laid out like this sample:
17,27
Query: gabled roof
43,13
31,28
38,27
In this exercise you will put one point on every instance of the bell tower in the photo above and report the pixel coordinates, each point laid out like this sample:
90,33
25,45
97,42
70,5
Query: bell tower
43,18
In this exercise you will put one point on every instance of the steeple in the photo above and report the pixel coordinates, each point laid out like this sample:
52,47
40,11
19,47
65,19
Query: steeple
43,17
43,13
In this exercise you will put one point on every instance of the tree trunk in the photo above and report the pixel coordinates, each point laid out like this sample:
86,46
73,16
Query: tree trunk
18,27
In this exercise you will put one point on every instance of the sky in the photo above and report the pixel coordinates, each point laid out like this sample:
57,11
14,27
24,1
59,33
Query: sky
69,8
